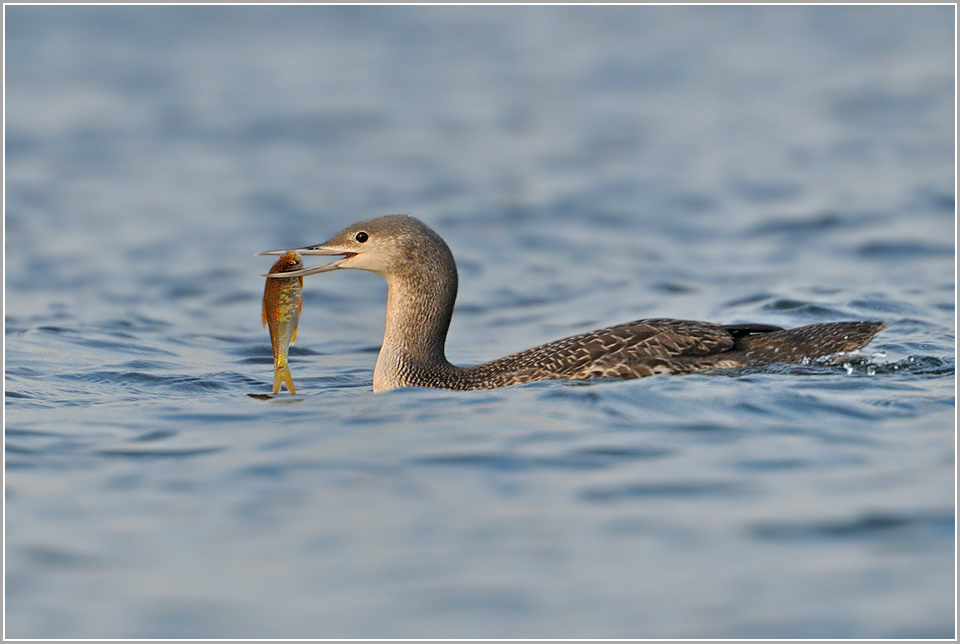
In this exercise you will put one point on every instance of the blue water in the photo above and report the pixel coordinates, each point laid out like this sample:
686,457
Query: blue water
587,166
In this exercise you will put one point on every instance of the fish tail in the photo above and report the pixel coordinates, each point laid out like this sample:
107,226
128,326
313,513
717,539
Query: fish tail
282,376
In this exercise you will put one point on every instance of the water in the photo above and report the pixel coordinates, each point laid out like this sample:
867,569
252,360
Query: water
587,166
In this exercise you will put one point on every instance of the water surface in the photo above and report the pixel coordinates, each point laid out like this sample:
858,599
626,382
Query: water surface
587,166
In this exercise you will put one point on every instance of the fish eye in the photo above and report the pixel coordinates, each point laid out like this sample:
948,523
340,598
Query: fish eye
361,237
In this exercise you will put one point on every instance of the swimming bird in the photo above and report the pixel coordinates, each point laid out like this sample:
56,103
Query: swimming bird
422,285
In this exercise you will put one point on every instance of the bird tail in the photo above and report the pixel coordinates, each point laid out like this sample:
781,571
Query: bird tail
808,342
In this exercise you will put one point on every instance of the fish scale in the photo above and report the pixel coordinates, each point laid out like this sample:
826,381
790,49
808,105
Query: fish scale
282,303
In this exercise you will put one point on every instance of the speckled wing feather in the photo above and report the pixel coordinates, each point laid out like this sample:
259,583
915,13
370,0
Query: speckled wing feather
631,350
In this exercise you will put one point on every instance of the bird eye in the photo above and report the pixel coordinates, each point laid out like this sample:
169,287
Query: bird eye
362,237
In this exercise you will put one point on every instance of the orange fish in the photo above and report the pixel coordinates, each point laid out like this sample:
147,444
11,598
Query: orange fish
282,303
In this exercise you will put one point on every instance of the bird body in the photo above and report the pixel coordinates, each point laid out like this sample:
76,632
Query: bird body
421,280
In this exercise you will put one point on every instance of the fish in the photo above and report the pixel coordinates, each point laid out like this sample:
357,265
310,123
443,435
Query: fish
282,303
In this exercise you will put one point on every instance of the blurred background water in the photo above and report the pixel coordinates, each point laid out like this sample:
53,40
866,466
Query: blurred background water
587,166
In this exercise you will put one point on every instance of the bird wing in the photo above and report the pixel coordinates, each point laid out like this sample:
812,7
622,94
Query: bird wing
643,347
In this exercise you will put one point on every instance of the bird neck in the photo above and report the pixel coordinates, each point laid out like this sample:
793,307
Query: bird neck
419,308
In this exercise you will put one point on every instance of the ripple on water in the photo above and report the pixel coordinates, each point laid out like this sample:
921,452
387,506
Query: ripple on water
142,454
593,458
886,305
919,366
816,311
802,227
653,490
878,525
904,249
753,298
86,337
165,383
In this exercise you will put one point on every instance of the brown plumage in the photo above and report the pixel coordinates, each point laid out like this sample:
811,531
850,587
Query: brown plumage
422,286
